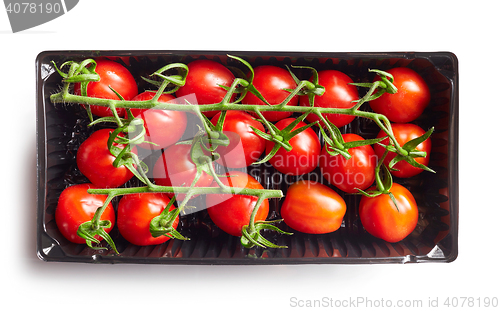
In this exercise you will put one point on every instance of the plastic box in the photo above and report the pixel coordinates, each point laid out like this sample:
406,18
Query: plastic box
61,128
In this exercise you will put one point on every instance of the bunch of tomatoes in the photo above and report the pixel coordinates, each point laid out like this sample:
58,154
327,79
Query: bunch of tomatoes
286,141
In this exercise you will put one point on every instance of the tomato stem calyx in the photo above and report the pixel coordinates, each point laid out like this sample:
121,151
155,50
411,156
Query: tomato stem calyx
88,231
251,235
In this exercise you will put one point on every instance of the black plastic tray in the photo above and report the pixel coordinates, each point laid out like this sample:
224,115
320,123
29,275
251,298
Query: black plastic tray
61,128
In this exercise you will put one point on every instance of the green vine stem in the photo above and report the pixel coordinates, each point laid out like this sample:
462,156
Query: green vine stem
196,191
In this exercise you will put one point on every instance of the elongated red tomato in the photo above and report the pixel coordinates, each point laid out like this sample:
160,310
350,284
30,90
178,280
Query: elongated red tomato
404,132
135,212
231,212
112,75
95,161
205,79
348,175
382,219
312,207
338,94
304,156
245,145
412,97
176,168
76,206
272,82
163,127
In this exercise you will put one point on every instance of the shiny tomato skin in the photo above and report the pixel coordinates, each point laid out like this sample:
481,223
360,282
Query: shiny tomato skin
204,80
230,212
174,168
163,127
404,132
412,97
96,162
381,219
245,145
338,94
76,206
356,172
135,212
304,156
311,207
271,82
111,74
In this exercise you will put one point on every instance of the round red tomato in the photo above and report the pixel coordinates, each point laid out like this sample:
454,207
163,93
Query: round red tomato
135,212
311,207
404,133
204,79
175,168
271,82
245,145
76,206
231,212
304,156
163,127
348,175
338,94
113,75
382,219
409,102
95,161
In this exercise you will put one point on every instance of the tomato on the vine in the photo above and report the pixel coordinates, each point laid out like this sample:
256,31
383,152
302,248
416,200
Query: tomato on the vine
271,82
404,132
311,207
95,161
230,212
338,94
304,156
76,206
382,219
412,97
175,168
135,212
112,75
163,127
204,79
348,175
245,145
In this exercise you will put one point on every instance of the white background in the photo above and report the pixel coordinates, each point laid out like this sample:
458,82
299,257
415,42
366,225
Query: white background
470,30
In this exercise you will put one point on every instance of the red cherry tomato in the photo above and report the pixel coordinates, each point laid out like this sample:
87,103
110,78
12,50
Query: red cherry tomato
76,206
135,212
338,94
96,162
245,145
358,172
404,133
113,75
382,219
163,127
304,156
271,82
312,207
175,168
205,78
409,102
231,212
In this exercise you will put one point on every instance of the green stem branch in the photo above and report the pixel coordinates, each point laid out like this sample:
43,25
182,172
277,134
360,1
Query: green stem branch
267,193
